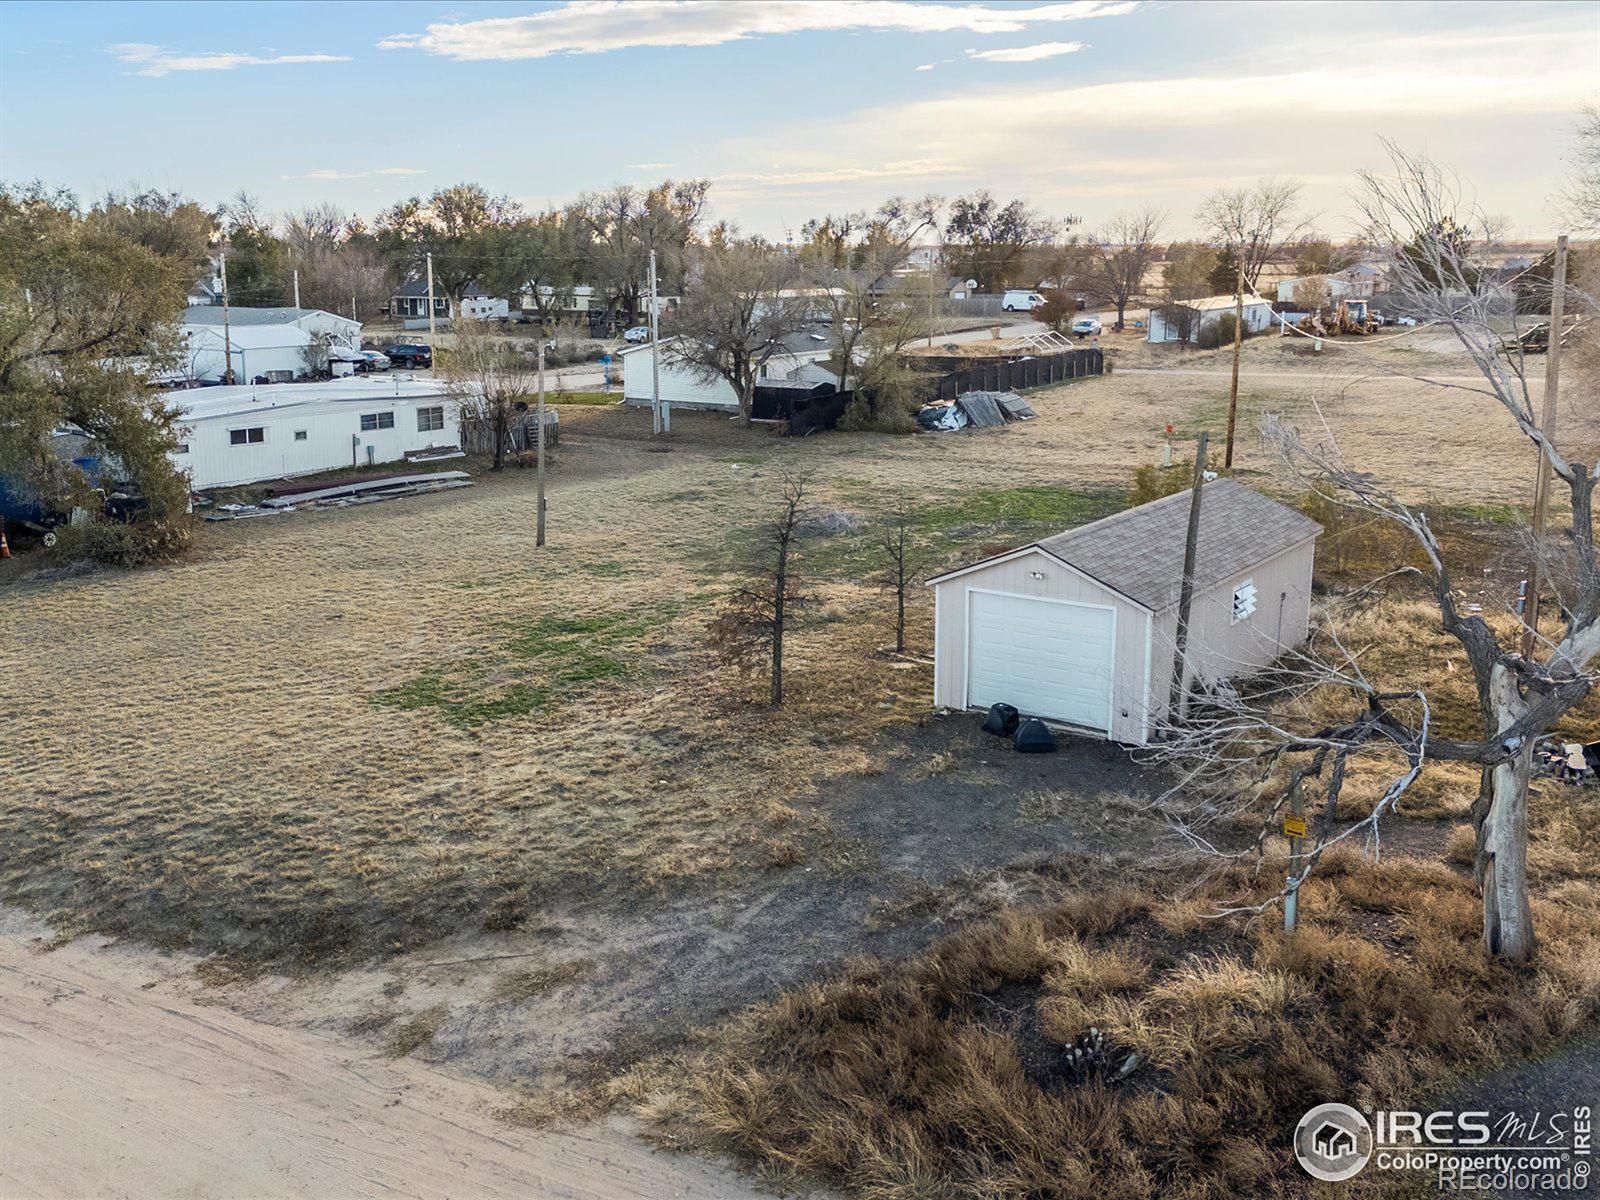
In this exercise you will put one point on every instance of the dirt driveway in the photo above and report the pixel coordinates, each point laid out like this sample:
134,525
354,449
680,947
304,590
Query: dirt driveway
113,1089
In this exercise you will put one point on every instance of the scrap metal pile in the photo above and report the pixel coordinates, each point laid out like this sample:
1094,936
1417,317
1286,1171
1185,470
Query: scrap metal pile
977,410
342,495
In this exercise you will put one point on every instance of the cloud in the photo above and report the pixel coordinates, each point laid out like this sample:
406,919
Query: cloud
156,61
601,26
328,174
1027,53
777,178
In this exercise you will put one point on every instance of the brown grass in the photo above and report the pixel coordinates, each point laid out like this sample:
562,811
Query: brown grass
898,1081
531,982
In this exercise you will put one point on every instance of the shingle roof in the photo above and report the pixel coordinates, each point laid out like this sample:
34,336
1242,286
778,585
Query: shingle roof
207,314
1140,552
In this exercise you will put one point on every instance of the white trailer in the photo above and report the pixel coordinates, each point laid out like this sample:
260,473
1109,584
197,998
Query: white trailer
240,435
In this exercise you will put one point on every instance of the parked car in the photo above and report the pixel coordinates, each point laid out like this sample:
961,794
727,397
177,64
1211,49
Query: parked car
639,333
1087,327
409,355
1021,301
373,360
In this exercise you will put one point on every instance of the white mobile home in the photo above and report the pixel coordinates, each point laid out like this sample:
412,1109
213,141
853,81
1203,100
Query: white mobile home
1080,628
803,359
1257,316
239,435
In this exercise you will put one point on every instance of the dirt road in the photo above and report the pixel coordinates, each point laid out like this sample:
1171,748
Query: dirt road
113,1090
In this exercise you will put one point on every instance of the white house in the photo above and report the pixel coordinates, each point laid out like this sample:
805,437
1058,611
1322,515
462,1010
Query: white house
1080,628
331,327
1257,316
802,360
276,353
1354,283
244,434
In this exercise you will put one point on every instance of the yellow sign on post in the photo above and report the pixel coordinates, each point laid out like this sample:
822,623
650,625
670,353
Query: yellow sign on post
1293,826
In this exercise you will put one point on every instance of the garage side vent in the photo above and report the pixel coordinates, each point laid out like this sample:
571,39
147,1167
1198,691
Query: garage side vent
1244,600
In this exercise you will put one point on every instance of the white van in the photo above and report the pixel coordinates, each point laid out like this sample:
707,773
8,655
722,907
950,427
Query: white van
1021,301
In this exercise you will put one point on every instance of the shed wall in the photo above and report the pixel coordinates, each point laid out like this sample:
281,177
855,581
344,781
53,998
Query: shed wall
1219,647
1059,583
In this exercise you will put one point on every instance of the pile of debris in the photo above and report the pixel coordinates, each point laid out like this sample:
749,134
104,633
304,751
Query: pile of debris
979,410
365,490
1567,762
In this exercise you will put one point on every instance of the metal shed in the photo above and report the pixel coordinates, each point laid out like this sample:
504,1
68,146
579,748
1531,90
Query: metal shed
1079,628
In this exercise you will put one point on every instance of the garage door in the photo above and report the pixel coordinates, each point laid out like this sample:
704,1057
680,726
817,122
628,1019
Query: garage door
1047,658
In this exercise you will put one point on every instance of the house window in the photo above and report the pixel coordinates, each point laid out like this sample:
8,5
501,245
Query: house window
181,448
371,421
299,435
429,419
1244,601
253,436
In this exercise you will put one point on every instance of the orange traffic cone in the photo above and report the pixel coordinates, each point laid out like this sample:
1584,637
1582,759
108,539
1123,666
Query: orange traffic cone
5,547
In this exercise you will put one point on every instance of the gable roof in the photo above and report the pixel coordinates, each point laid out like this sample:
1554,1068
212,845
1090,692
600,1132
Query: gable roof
206,314
1139,552
419,287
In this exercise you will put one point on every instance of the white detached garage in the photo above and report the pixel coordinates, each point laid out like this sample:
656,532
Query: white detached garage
1079,628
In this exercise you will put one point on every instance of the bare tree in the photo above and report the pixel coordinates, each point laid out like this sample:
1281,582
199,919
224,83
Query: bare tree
1419,215
1120,254
904,561
742,304
1256,221
751,627
989,241
623,224
1582,193
489,381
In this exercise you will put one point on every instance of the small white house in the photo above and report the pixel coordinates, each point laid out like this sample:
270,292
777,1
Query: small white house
1257,316
1081,628
802,360
276,353
240,435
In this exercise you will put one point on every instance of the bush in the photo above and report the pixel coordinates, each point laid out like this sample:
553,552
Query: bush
1151,482
124,543
1219,333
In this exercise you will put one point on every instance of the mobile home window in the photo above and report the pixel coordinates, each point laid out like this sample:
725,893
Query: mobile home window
1244,600
429,419
299,435
248,437
371,421
181,448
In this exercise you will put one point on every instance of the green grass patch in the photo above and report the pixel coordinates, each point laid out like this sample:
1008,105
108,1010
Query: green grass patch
582,397
539,664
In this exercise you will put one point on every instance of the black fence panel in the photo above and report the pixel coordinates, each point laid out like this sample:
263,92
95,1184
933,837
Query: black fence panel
1012,374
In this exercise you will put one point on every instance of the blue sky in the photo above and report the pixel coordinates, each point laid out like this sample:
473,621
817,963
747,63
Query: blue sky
795,107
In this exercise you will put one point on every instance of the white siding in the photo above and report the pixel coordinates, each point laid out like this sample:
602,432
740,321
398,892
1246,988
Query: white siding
679,385
334,438
1015,576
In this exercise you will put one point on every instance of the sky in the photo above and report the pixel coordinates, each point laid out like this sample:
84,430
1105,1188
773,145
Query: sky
796,108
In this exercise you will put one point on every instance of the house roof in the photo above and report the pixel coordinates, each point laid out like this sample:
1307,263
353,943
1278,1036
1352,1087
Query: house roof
419,287
202,404
1214,303
207,314
1139,552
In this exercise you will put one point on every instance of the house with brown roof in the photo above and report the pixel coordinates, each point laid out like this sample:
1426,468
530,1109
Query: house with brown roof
1080,628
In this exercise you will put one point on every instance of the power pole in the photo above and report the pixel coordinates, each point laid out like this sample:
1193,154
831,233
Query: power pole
1547,423
1176,704
430,300
538,537
227,332
297,287
1238,341
1294,825
660,422
353,316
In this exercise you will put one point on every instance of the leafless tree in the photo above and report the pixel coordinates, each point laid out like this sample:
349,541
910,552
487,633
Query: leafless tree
1419,215
743,302
488,379
1255,221
904,560
1120,254
751,626
1582,193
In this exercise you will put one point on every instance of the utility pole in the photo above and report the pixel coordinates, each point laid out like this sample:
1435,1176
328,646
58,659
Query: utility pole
430,300
1294,825
1238,341
1177,705
538,537
297,287
1547,423
660,419
353,316
227,333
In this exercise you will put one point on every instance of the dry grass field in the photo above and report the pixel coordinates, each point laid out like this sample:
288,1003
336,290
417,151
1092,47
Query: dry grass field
345,732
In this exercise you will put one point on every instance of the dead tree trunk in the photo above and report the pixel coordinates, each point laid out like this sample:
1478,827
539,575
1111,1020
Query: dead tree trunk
1500,821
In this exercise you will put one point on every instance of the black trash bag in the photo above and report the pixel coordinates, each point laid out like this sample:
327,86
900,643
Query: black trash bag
1033,738
1001,721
